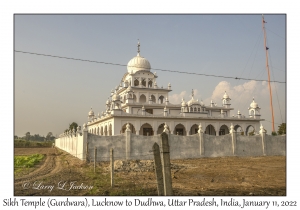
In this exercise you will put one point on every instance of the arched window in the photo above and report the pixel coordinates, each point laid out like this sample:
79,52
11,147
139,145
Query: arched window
144,82
161,99
136,82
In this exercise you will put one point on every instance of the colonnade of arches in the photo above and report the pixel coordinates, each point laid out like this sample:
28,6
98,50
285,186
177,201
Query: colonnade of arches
143,99
102,130
147,130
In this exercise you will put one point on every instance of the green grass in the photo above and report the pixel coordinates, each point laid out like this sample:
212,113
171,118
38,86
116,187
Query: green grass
24,162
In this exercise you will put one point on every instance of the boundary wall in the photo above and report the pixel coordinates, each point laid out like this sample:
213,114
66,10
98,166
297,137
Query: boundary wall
131,146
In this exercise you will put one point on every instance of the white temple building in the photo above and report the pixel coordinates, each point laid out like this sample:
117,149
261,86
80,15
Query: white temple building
139,101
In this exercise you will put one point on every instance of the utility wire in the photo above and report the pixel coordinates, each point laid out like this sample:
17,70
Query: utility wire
117,64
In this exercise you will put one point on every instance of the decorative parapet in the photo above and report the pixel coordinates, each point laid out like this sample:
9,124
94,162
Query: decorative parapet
200,129
84,127
232,129
128,127
262,130
79,132
166,128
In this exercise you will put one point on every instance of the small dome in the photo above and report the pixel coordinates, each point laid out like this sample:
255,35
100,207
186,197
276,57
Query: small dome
183,103
116,97
107,102
225,95
254,104
193,101
91,113
129,88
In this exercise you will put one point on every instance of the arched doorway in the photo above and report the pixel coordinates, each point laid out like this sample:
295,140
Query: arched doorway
146,130
131,127
161,99
210,130
150,83
160,128
110,130
194,129
153,98
250,131
223,130
105,131
143,99
238,129
180,130
101,131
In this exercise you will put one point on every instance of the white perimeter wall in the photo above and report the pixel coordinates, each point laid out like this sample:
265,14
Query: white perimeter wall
140,147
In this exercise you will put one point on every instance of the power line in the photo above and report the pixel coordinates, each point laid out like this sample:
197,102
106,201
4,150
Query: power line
117,64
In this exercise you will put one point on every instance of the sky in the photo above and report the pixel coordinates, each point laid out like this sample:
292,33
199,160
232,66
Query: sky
51,93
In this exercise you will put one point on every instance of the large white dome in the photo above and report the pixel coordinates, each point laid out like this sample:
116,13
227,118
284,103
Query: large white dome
138,63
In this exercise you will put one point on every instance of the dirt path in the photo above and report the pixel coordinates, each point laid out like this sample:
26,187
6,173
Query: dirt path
58,167
49,166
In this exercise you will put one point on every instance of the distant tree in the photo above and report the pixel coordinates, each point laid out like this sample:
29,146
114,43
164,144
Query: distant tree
27,136
73,125
16,137
274,133
282,129
252,133
49,135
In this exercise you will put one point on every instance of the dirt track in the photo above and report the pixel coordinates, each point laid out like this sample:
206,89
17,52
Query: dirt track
205,176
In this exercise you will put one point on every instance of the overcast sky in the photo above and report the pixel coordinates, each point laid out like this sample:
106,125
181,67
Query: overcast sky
51,93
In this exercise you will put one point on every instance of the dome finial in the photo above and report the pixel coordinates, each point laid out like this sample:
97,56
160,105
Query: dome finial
138,45
192,93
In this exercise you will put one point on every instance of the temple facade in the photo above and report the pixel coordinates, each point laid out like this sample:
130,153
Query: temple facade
139,101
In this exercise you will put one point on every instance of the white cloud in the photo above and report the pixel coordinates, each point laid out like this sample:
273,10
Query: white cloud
176,98
241,97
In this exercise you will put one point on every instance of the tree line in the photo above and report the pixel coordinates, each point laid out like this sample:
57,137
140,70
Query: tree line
36,137
48,137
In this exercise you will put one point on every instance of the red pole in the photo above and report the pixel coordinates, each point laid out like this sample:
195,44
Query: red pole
267,66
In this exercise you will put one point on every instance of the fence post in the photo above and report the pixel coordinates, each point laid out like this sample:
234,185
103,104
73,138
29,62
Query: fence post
263,139
233,138
158,169
200,132
87,157
95,158
166,165
128,139
85,142
112,167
